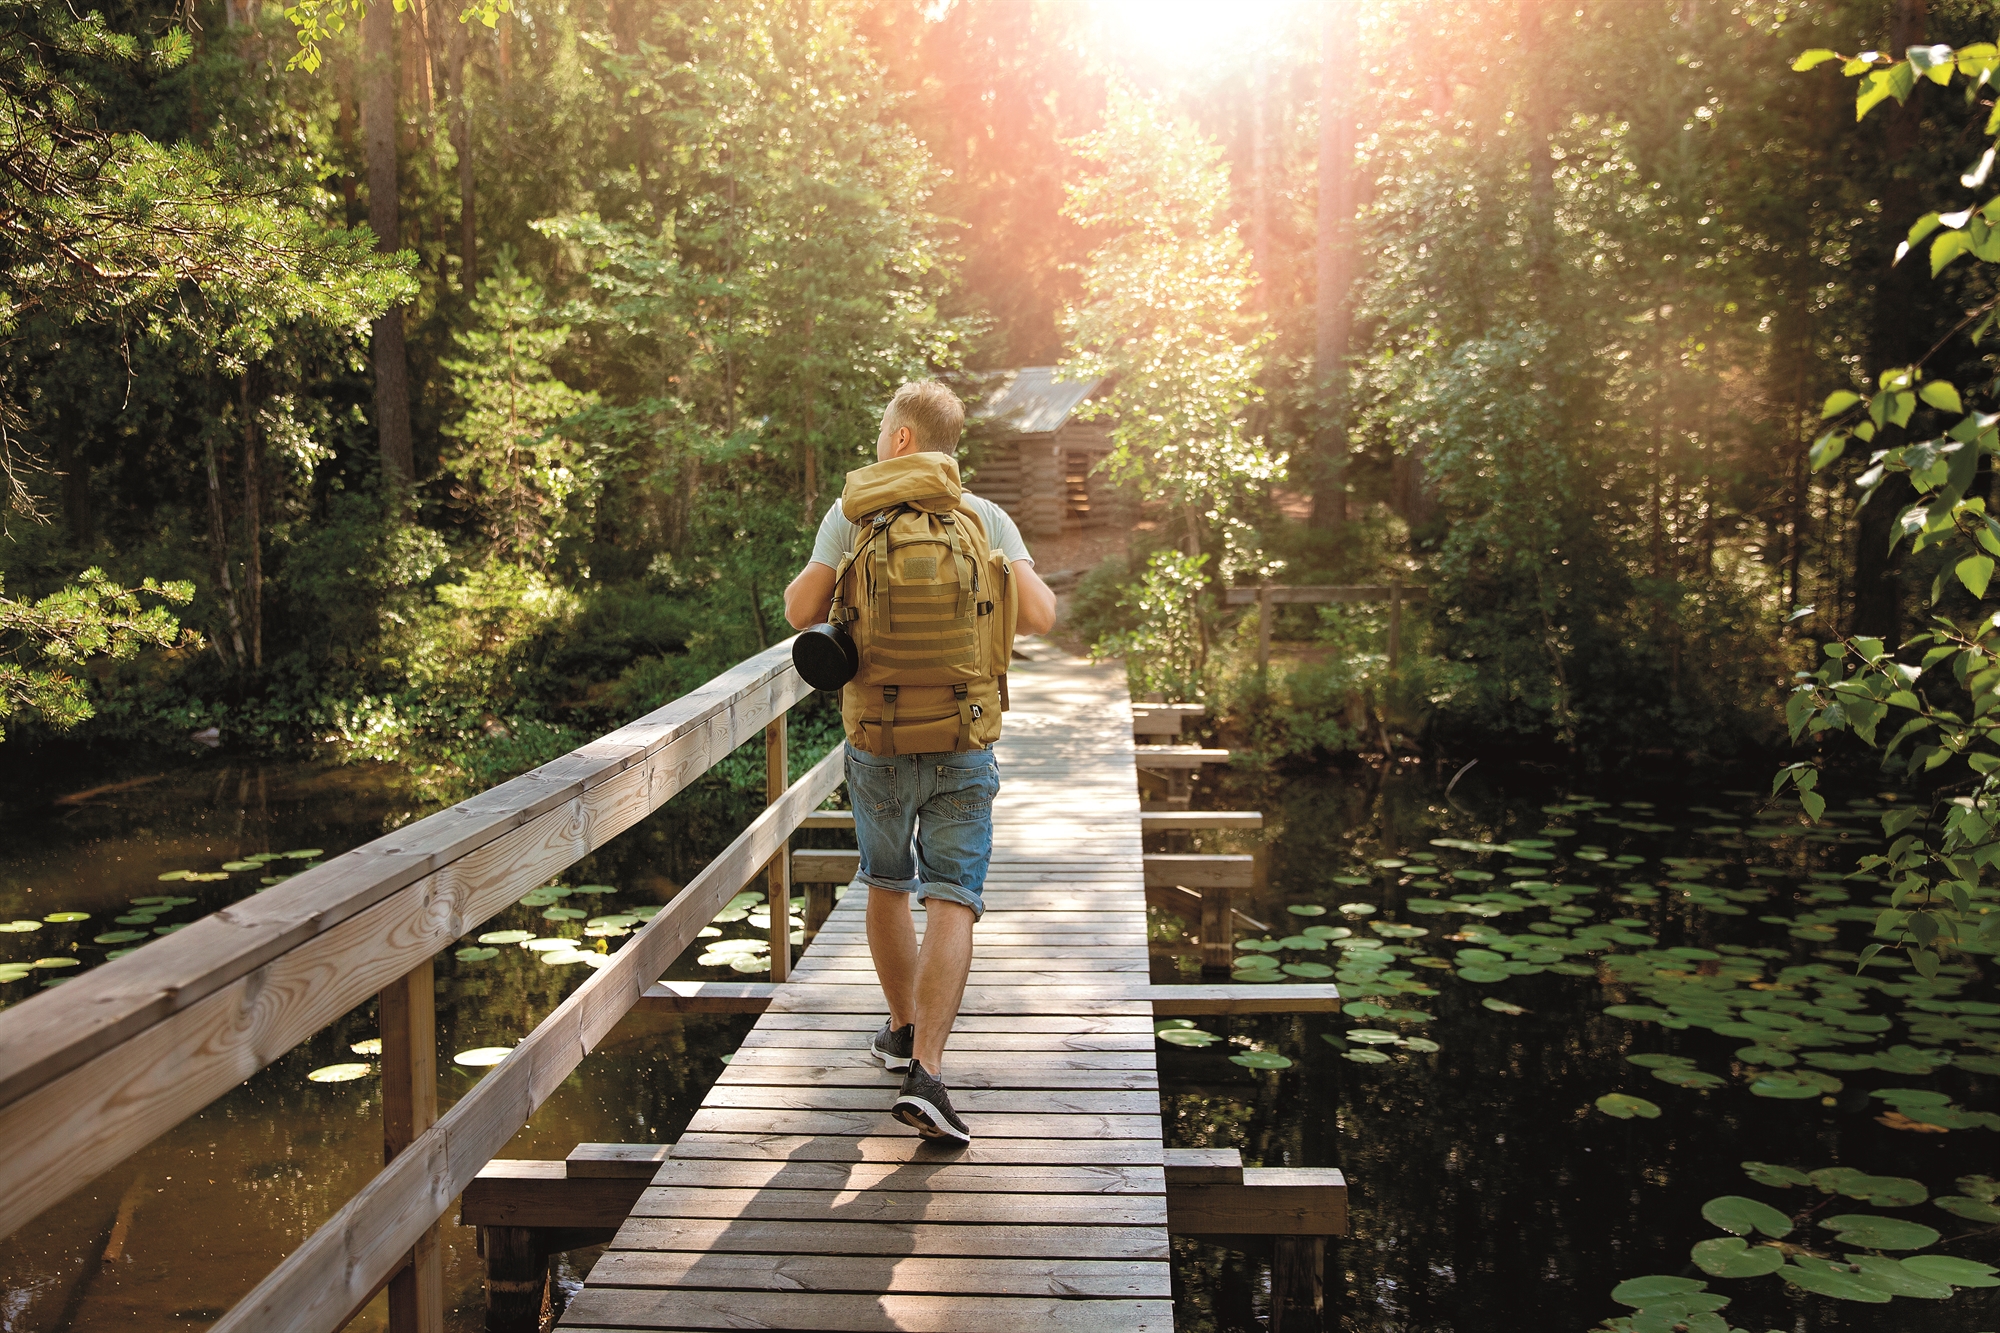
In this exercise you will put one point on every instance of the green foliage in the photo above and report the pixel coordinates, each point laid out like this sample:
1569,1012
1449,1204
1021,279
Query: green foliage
92,617
1166,651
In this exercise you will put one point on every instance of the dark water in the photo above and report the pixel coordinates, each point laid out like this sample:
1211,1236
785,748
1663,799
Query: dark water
1487,1190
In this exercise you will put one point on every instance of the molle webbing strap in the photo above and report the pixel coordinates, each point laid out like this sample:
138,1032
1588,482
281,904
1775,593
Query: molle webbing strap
889,693
965,717
1004,703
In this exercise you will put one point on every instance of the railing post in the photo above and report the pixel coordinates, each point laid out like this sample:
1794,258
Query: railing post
407,1009
1218,931
778,875
1298,1284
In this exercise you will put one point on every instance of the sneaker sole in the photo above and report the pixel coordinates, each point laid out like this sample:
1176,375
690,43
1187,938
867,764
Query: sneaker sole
895,1063
921,1116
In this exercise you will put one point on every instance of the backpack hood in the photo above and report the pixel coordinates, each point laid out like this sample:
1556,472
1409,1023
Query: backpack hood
925,481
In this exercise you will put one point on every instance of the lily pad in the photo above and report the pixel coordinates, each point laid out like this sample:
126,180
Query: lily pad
1823,1278
1622,1106
242,865
1188,1036
1421,1045
1373,1037
1958,1272
477,954
1741,1216
1483,974
1878,1270
481,1056
1308,970
1640,1292
1637,1012
1500,1006
1358,909
306,854
120,936
1972,1210
63,918
506,937
566,957
54,963
564,914
1880,1233
1364,1056
1261,1060
367,1046
1305,909
343,1073
1782,1177
18,927
1732,1256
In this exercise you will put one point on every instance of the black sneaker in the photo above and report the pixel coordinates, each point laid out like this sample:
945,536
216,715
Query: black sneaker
926,1108
894,1045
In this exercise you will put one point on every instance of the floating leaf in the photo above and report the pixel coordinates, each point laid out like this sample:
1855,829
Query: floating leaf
1827,1279
53,963
1500,1006
1958,1272
367,1046
595,890
1682,1077
565,957
1261,1060
1732,1256
1365,1057
1783,1087
564,914
547,943
1483,974
19,927
1373,1037
63,918
346,1073
1308,970
172,875
1766,1055
506,937
476,954
481,1056
1637,1012
1621,1106
1783,1177
119,937
1358,909
1880,1233
242,865
1189,1036
1643,1291
1422,1045
1741,1216
1305,909
1885,1191
1972,1210
308,854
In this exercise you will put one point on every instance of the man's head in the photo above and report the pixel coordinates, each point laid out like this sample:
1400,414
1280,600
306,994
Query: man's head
924,415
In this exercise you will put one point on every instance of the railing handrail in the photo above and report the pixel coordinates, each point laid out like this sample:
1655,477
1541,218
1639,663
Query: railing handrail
93,1070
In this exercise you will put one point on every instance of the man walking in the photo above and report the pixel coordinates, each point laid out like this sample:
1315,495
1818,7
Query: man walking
920,768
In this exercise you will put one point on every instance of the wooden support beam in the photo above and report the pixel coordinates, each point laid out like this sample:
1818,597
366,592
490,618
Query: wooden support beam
1156,724
1269,1201
1187,710
615,1161
1169,821
819,905
511,1192
1248,998
1298,1284
1199,872
1203,1166
1177,757
407,1012
778,875
825,866
1218,931
706,997
828,819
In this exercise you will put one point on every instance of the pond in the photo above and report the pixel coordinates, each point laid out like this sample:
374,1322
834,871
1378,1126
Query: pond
1496,924
1571,1022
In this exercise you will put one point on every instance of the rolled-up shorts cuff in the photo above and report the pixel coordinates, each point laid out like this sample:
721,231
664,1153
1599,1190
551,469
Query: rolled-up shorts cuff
952,893
864,880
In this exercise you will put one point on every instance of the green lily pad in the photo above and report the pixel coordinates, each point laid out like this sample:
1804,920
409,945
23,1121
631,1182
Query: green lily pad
1641,1292
1949,1268
476,954
367,1046
1422,1045
63,918
1732,1256
548,943
1358,909
18,927
1642,1013
1365,1057
307,854
506,937
1429,906
342,1073
1823,1278
595,890
136,919
1261,1060
1483,974
120,936
1783,1177
1188,1036
1373,1037
1741,1216
1885,1191
1972,1210
481,1056
55,963
1877,1270
242,865
1766,1055
1880,1233
1307,970
1783,1087
1305,909
1622,1106
1682,1077
565,914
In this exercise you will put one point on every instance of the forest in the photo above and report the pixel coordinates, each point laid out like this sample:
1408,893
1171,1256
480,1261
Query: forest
449,384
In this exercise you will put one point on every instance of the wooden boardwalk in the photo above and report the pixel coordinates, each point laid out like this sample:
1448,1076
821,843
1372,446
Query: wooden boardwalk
794,1201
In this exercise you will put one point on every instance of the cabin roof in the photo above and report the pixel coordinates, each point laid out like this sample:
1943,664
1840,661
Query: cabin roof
1031,400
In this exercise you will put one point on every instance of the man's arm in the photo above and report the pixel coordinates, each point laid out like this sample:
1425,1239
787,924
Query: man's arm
1037,613
810,595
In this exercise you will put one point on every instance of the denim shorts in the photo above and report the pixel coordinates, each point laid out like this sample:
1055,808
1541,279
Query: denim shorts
925,822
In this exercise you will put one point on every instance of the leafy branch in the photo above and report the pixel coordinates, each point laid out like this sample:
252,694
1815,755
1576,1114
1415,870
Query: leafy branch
92,617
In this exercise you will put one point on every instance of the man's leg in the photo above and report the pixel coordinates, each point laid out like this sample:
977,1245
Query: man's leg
892,943
940,975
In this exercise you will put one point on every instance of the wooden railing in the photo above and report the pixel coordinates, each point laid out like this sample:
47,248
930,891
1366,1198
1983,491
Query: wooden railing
1269,595
93,1070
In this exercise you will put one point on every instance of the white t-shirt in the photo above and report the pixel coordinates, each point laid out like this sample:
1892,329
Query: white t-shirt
836,533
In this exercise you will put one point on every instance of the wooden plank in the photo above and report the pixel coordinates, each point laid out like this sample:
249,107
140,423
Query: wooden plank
1177,756
1130,1021
516,1193
1203,1166
961,1042
326,1277
950,1176
968,1064
1064,1277
863,1124
881,1205
615,1161
596,1308
1185,710
1156,724
842,819
1134,1093
1131,1244
706,997
1168,821
1200,872
822,866
1271,1201
1272,998
984,1150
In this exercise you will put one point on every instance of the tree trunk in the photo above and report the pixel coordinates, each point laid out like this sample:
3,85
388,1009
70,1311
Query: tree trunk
392,375
253,527
461,131
218,538
1334,259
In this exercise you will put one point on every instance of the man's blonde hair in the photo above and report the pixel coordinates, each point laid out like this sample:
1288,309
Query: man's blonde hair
931,411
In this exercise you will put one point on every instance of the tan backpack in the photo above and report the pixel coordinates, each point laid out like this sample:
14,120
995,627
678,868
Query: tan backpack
931,606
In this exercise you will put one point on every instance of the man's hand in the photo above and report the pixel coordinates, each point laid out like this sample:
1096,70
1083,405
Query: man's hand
809,596
1037,613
